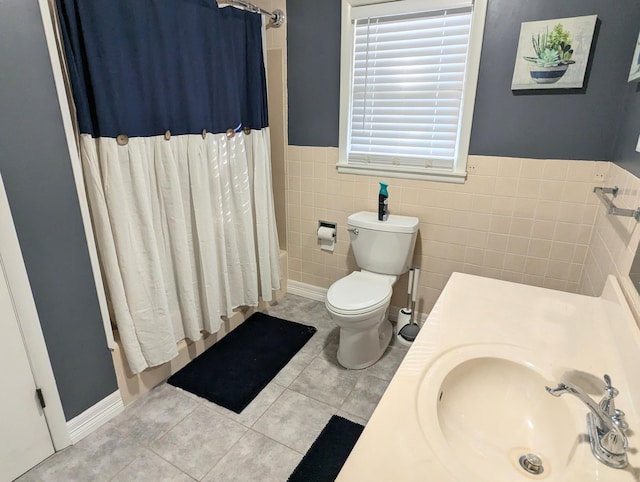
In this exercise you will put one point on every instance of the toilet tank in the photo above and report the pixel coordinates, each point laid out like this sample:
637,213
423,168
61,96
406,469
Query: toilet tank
384,247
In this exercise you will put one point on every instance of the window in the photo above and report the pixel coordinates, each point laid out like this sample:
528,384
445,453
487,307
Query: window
408,79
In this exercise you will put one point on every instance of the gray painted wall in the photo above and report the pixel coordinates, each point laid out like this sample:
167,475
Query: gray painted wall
562,124
313,71
35,165
628,130
568,124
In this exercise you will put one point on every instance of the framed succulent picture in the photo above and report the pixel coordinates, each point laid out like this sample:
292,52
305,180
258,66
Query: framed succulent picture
553,54
634,73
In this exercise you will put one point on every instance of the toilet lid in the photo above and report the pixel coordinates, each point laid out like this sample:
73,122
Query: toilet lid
358,292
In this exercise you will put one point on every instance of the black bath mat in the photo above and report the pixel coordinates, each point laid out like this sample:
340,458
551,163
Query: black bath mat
234,370
329,452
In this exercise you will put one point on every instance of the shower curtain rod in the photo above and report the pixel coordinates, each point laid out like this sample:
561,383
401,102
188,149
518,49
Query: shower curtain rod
277,16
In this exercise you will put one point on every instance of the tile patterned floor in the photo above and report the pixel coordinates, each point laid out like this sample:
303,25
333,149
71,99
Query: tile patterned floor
172,435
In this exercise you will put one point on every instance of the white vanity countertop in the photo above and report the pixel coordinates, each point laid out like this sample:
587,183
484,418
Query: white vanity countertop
562,331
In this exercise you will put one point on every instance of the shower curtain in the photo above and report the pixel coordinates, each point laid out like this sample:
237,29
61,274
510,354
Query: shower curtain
174,142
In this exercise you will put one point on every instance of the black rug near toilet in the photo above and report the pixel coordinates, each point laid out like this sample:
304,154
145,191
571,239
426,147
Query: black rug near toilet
234,370
329,452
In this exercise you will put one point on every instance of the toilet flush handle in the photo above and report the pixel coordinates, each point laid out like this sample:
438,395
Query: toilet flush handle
353,230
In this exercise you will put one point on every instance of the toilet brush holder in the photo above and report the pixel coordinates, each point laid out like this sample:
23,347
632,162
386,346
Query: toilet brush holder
404,318
404,315
404,321
407,331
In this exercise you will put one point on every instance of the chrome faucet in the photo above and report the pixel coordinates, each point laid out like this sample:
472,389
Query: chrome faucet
605,423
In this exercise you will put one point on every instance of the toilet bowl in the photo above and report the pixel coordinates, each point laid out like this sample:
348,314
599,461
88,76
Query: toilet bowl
359,303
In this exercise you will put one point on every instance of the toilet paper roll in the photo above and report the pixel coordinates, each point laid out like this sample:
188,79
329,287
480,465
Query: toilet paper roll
326,233
327,238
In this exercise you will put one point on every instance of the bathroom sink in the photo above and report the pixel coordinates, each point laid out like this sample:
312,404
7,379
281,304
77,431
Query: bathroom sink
469,399
486,413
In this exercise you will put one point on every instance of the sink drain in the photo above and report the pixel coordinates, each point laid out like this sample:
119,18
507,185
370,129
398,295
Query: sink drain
532,464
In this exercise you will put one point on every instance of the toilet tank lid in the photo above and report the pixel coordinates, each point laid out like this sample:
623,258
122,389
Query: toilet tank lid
395,223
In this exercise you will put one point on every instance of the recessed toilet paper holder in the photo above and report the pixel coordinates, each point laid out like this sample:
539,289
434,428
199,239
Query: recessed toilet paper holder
328,224
327,235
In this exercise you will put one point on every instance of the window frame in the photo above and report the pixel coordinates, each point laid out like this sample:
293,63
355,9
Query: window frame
389,7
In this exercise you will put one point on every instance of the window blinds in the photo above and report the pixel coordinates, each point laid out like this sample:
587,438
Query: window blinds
408,76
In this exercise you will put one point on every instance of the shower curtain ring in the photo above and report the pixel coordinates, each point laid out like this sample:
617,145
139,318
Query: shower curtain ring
230,133
246,130
122,140
204,133
167,135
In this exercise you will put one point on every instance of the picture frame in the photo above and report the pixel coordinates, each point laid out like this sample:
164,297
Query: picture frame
634,73
553,54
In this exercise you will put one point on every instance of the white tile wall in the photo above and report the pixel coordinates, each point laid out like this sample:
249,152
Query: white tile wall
523,220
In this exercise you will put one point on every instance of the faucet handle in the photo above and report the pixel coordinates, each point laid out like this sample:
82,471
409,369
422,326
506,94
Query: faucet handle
607,403
611,391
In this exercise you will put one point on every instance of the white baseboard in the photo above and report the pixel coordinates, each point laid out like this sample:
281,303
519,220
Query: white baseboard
320,294
306,290
94,417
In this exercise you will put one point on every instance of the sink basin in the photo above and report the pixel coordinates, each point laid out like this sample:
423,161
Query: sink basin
485,409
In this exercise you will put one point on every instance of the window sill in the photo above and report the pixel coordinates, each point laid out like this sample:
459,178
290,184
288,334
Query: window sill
404,173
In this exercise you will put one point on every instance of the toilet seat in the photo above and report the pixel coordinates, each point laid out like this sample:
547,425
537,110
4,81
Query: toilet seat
359,293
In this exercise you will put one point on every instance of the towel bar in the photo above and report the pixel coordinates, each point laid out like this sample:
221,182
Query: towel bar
612,208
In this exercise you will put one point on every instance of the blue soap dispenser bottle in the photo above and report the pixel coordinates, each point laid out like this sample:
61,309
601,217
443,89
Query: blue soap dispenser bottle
383,202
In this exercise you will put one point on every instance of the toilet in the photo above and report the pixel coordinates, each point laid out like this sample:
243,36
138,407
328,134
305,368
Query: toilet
359,303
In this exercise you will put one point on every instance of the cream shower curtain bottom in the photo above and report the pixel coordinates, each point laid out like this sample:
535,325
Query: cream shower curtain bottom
185,231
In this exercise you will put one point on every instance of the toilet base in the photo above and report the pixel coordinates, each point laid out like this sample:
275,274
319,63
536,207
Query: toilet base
358,349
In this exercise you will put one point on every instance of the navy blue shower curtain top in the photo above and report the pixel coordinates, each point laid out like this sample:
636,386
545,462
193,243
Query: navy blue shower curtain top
142,67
